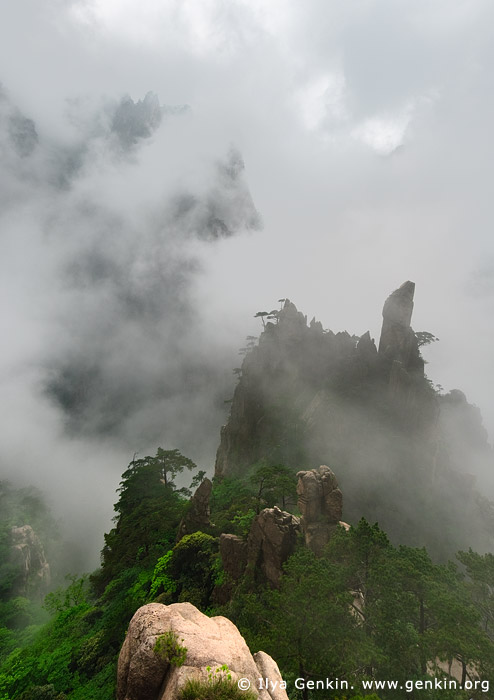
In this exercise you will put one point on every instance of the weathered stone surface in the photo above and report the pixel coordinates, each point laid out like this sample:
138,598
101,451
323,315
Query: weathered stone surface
309,492
272,539
28,554
197,517
333,502
143,675
321,503
233,552
319,496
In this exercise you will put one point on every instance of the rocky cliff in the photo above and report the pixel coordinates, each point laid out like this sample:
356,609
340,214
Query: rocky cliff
28,557
402,451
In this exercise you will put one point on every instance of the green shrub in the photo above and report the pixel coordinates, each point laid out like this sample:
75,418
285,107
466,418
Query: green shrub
168,648
191,567
161,580
91,656
219,686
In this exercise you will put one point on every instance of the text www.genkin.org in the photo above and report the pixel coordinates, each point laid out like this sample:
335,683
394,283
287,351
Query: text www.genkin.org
340,684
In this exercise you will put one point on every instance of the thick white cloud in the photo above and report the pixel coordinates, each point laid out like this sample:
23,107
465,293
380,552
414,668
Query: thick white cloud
386,133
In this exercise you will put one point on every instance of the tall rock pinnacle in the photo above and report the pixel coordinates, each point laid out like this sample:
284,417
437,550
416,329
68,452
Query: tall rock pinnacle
398,342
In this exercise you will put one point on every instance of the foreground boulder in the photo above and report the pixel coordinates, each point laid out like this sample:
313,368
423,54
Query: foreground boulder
144,674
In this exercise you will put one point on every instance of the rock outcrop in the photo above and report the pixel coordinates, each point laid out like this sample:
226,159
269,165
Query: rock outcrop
233,553
198,514
321,503
272,539
402,362
210,641
28,555
398,341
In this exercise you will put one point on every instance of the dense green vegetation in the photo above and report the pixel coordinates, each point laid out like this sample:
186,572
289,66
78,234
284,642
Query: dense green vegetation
365,610
18,507
74,655
21,600
368,610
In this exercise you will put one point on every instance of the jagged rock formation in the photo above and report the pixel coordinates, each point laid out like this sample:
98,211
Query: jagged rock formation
279,379
308,396
271,541
198,514
28,555
321,503
210,641
299,374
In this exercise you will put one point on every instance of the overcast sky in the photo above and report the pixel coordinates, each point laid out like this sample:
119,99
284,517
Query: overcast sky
324,151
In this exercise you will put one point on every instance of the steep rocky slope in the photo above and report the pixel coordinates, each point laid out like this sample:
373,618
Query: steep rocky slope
405,455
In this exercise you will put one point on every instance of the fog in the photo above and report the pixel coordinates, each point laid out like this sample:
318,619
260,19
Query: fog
169,168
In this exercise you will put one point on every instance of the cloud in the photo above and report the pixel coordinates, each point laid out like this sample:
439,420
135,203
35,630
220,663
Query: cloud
323,100
108,343
384,134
